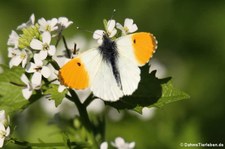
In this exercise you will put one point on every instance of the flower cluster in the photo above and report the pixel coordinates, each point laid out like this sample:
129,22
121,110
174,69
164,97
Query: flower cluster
33,49
111,31
118,144
4,127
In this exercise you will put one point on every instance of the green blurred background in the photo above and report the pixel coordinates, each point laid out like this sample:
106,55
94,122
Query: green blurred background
191,36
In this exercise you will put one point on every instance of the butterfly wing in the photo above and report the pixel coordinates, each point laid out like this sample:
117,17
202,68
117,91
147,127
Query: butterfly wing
76,73
138,47
134,50
90,70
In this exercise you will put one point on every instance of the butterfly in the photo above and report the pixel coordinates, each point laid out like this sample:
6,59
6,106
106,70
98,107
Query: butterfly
111,70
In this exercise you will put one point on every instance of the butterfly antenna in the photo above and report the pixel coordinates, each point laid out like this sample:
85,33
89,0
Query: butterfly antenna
88,31
112,15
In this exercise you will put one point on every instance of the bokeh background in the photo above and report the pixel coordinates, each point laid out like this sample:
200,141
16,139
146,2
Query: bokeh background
191,36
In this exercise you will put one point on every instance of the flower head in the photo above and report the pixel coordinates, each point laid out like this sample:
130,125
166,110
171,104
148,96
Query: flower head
17,57
4,129
121,144
29,23
129,26
110,31
43,46
38,69
4,132
63,22
49,25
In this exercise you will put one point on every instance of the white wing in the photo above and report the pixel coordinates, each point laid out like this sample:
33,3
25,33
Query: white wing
103,83
127,65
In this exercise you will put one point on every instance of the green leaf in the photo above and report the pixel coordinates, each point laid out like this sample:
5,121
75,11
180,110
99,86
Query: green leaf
151,92
170,94
54,94
11,98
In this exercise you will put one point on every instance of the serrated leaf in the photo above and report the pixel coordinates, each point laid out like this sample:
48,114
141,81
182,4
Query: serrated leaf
11,98
151,92
170,94
54,94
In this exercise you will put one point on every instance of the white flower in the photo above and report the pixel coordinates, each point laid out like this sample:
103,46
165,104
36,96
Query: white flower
38,69
17,57
44,45
3,124
49,25
3,134
110,31
98,35
27,91
29,23
104,145
13,39
110,28
121,144
129,26
64,22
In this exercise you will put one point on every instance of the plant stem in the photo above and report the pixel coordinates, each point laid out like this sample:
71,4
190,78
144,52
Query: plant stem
52,144
83,116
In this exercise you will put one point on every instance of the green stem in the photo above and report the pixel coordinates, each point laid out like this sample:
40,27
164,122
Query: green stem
83,116
53,144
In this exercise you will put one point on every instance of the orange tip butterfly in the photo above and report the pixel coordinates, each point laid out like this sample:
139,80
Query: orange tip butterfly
111,70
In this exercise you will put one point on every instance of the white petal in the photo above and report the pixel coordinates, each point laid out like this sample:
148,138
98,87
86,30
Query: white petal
104,145
24,79
45,71
119,141
42,55
16,60
113,33
100,41
24,62
7,131
98,34
20,27
46,37
2,127
36,44
1,142
111,25
30,68
132,145
53,22
133,28
42,22
13,39
128,22
26,93
38,58
36,78
2,115
32,18
51,50
119,26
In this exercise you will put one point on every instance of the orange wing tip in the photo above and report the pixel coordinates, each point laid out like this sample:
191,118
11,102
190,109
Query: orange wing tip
144,44
74,75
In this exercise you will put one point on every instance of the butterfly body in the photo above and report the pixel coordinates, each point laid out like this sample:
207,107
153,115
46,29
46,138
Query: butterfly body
112,69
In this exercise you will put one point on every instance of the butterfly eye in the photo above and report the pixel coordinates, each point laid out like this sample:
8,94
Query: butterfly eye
134,41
